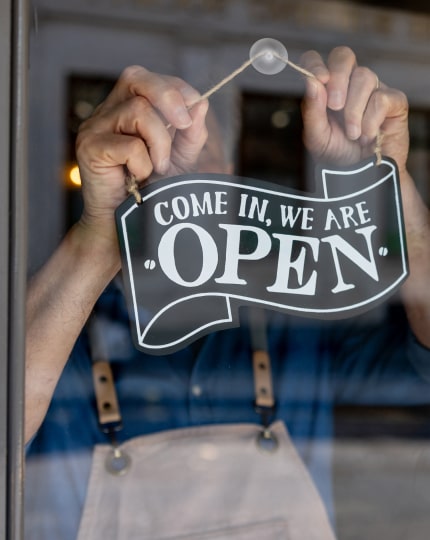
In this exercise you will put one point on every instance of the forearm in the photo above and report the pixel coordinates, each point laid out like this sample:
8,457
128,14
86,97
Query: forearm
416,290
60,299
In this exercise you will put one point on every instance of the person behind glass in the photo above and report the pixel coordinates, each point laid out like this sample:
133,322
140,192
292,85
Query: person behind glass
210,479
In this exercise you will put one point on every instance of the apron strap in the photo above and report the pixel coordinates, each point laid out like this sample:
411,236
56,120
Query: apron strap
109,414
263,386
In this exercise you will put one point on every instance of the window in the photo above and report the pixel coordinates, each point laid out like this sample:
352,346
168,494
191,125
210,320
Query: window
351,395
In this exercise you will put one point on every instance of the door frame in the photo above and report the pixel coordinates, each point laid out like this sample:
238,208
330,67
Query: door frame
14,19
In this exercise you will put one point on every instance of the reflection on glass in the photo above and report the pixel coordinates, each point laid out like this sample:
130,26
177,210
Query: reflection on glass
282,427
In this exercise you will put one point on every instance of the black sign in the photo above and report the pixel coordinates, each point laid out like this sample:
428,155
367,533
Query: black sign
199,246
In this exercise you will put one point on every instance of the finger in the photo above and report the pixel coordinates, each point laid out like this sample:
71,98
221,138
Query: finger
190,95
169,95
316,124
197,131
314,106
341,63
386,110
363,83
189,143
313,62
105,155
137,117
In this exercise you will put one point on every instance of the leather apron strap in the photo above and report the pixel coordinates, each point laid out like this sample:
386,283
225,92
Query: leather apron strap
109,414
263,386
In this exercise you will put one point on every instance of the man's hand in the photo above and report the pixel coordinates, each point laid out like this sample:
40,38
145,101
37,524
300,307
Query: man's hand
145,125
346,107
344,110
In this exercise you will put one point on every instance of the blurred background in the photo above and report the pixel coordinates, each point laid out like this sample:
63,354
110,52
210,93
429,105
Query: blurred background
77,50
79,47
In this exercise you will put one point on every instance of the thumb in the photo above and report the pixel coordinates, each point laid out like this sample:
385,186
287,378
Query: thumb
188,143
317,130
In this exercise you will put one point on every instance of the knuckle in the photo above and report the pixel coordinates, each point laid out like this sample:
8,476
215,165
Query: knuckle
138,159
403,99
92,124
129,73
83,138
309,58
343,50
353,116
176,81
382,100
392,100
136,146
139,105
168,95
343,53
362,74
84,126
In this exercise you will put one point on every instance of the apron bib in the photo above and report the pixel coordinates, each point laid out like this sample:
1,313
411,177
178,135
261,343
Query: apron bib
229,481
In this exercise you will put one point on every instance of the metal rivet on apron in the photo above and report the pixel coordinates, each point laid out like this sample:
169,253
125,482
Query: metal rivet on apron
267,440
117,462
196,390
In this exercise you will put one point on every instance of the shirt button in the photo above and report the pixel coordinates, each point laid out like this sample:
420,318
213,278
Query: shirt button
196,390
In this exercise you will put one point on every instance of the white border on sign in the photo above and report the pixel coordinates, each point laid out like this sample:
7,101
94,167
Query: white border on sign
141,335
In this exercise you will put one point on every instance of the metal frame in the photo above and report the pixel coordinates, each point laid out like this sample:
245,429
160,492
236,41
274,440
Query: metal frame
13,259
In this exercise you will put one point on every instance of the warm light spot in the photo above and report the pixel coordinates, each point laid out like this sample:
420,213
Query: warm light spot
280,119
83,109
74,176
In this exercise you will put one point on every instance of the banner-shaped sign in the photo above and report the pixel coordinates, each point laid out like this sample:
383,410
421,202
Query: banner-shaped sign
201,246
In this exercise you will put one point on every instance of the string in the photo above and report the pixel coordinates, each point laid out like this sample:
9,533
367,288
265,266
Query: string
131,183
246,64
239,70
242,68
224,81
132,186
301,70
130,180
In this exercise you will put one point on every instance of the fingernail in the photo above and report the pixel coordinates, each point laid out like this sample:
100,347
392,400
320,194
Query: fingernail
189,93
335,100
312,88
353,131
183,118
164,166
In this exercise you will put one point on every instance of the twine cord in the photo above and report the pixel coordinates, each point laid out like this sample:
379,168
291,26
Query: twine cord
132,186
226,80
242,68
130,179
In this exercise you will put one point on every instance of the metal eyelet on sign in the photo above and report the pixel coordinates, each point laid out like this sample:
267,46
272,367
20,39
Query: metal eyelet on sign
117,462
267,440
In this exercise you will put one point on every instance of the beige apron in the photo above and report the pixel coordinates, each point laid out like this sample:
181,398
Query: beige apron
209,483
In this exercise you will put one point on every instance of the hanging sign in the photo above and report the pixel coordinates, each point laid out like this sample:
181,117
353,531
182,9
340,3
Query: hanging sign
200,246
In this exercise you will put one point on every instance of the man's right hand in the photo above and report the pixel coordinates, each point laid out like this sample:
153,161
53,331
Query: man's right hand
145,125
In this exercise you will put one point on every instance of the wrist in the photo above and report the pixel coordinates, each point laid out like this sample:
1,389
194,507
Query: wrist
97,241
